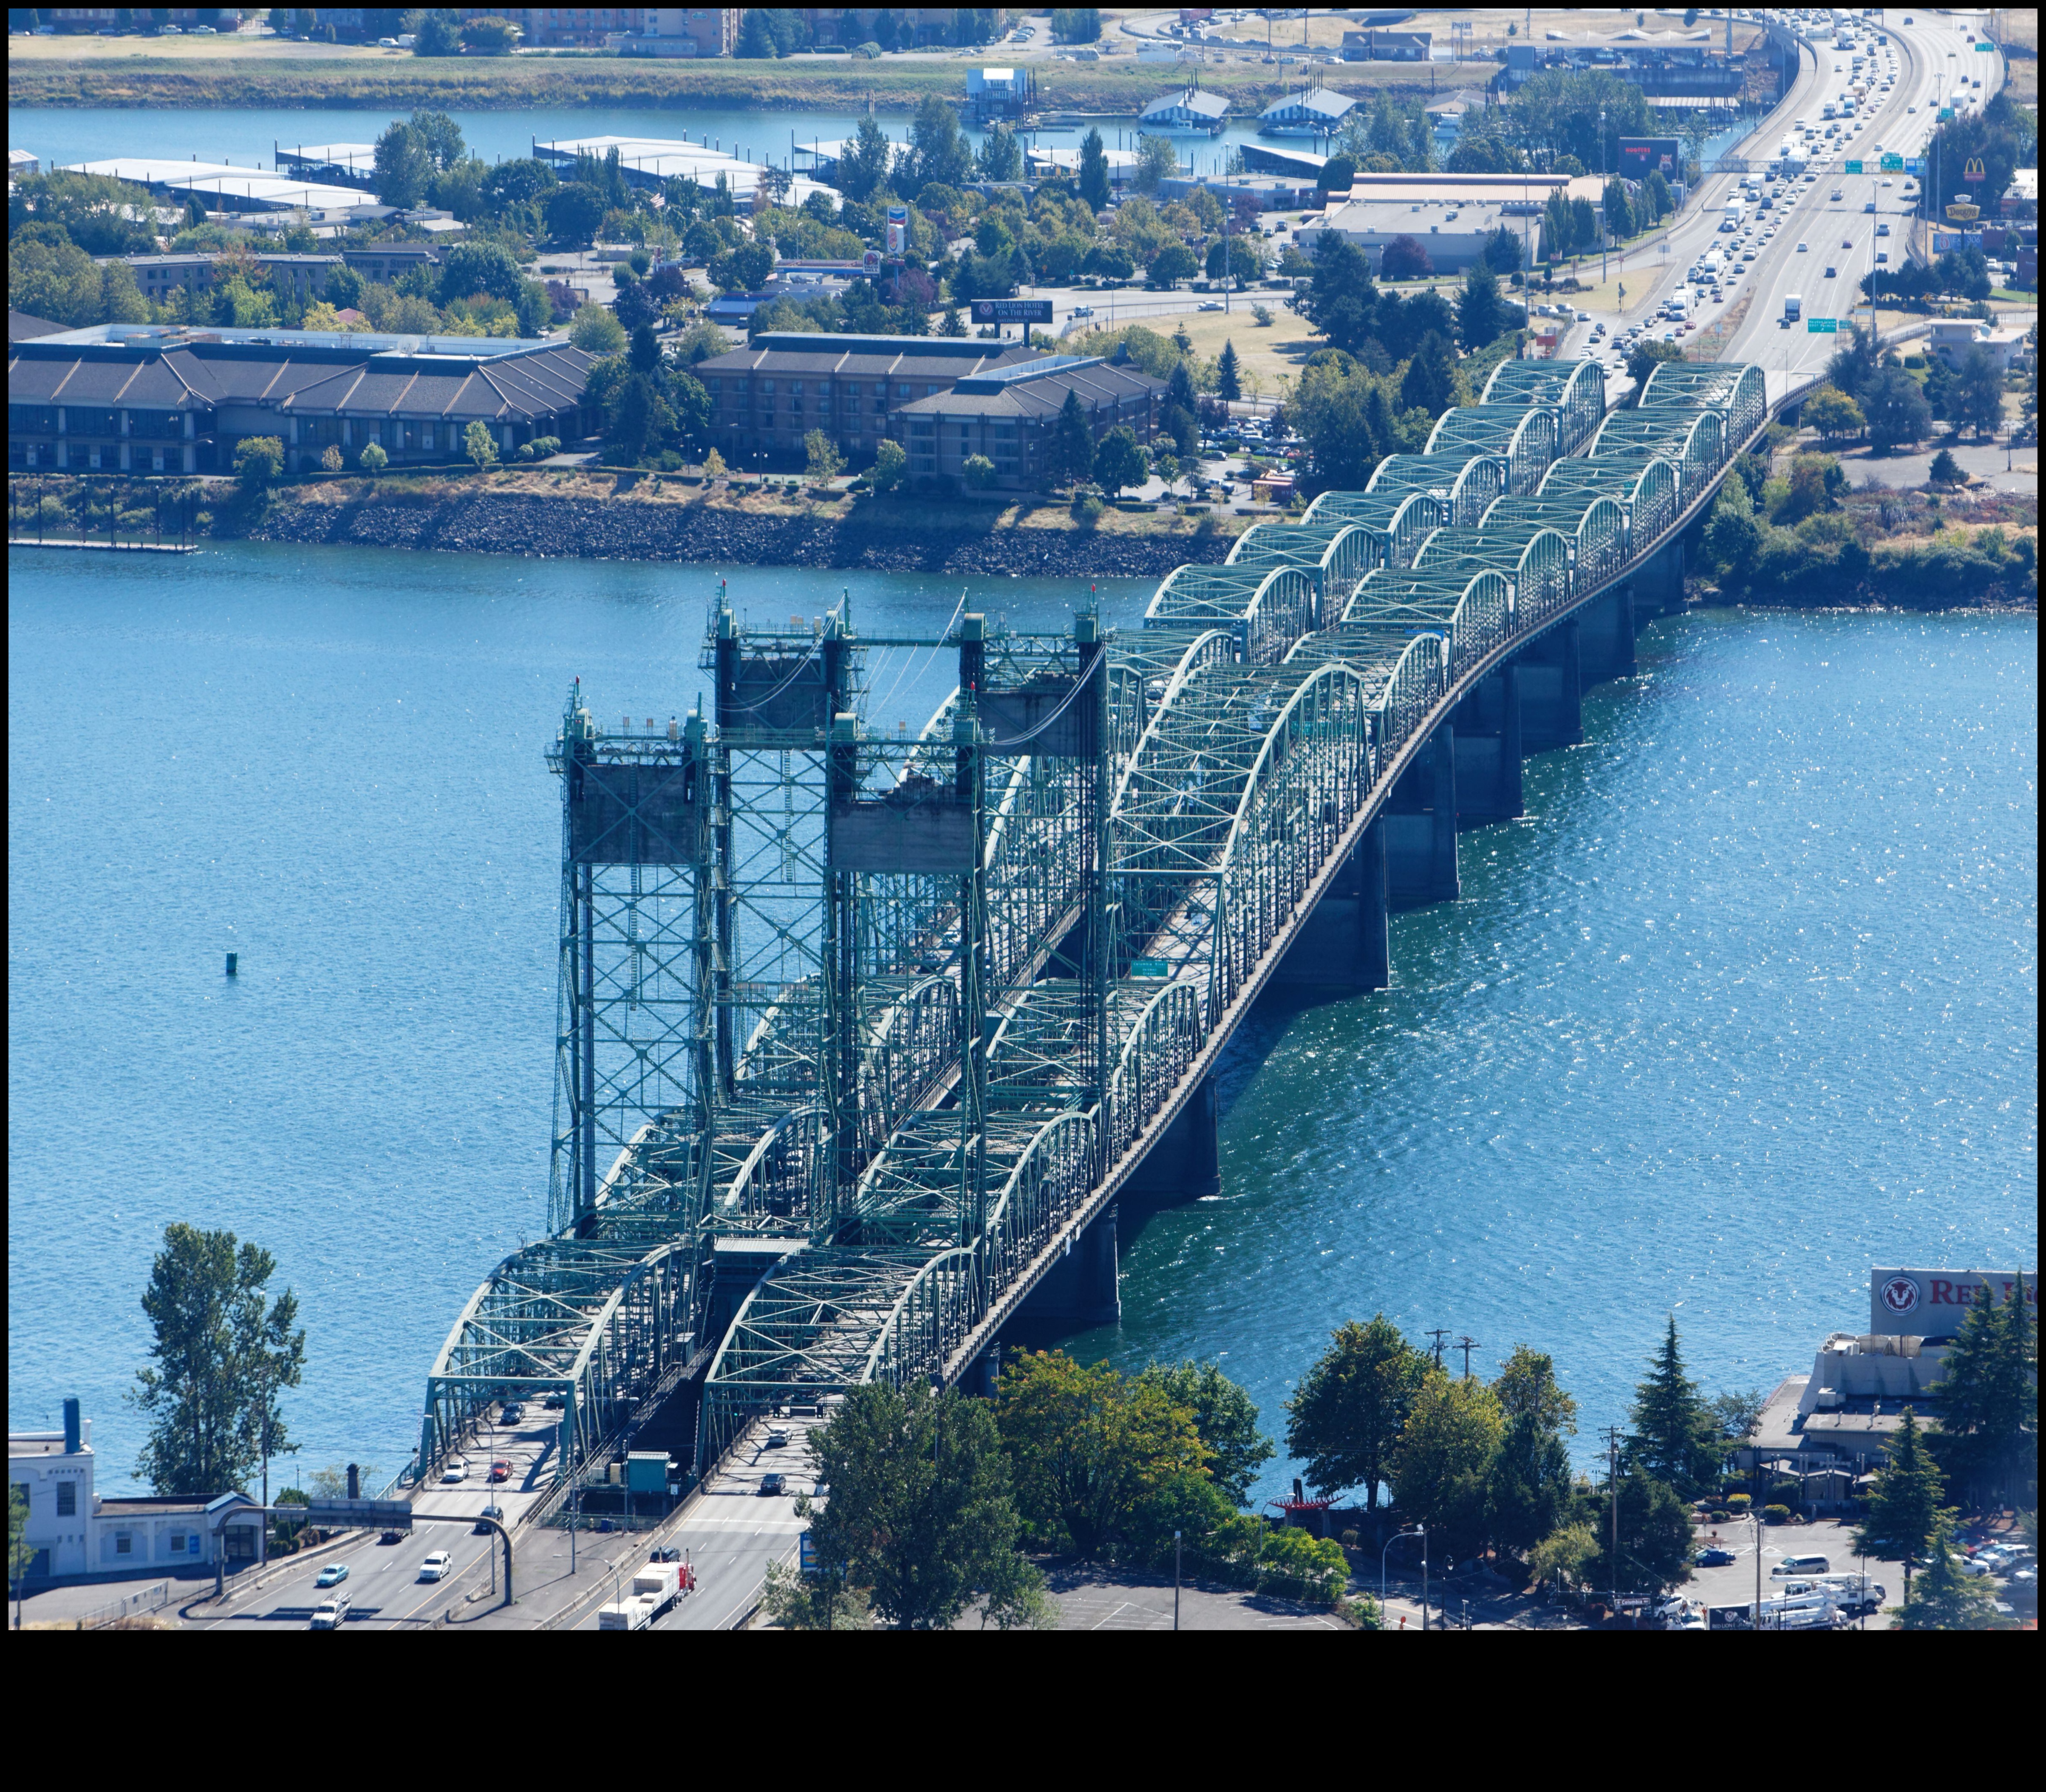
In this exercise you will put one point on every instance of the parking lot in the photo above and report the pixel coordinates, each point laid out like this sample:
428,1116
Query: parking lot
1734,1583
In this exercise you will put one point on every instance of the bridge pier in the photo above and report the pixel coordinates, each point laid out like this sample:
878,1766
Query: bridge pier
1552,690
1488,750
1342,945
1081,1288
1186,1164
1420,824
1605,629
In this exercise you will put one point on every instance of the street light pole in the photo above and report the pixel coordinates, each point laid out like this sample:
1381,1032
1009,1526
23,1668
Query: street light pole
1175,1580
1419,1531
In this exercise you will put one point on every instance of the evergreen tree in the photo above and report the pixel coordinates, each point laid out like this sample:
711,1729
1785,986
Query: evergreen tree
1378,418
1072,442
1904,1504
1989,1396
952,324
1094,171
1481,316
1654,1537
1675,1437
1945,1599
1430,383
1531,1479
1345,1419
1229,381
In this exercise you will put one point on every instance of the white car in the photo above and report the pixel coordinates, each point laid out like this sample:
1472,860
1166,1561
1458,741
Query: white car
457,1469
1209,305
328,1615
436,1566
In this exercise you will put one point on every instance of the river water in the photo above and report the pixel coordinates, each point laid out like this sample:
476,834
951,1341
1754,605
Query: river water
1747,1003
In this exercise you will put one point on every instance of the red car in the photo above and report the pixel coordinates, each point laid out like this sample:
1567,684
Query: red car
500,1471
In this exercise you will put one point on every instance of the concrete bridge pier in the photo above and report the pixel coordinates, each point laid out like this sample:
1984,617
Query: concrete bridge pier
1658,582
1606,628
1186,1163
1342,945
1552,690
1081,1288
1488,750
1420,824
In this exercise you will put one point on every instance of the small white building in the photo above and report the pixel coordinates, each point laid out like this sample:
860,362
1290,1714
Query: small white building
72,1532
1310,112
1190,108
1951,338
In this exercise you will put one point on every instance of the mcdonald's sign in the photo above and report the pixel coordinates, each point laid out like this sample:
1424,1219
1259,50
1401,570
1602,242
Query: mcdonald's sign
1974,170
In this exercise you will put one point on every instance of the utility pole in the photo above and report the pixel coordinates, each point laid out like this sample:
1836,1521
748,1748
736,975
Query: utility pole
1467,1344
1612,1483
1175,1580
1439,1335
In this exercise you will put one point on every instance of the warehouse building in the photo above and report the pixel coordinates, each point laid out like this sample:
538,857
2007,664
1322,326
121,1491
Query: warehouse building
765,397
1007,414
171,398
1454,232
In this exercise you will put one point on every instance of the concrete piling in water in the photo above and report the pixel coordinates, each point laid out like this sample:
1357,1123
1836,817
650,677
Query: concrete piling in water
233,963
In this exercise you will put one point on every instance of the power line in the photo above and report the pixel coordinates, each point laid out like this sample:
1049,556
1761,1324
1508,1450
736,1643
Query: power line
1467,1344
1439,1335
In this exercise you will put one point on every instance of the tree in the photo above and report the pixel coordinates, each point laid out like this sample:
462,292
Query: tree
1675,1437
1076,24
259,460
480,446
19,1554
1405,258
1157,162
1944,1598
864,163
330,459
223,1352
1737,1412
487,36
1000,156
891,466
1903,1506
1530,1494
372,460
1502,252
403,165
575,214
938,150
1564,1558
1119,461
1341,300
714,467
1835,415
1093,182
468,270
596,332
1978,399
437,33
1945,470
640,415
1229,379
1226,1419
1481,316
919,1512
1441,1471
1088,1448
1619,220
1989,1396
825,462
1642,360
440,135
1173,263
978,472
743,269
1345,1419
1071,456
1655,1538
1897,413
1430,380
1733,536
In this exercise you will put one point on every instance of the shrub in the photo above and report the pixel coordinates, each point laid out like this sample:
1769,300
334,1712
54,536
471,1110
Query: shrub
713,465
1088,507
545,448
1737,1503
1946,470
891,466
330,461
372,459
1776,1515
1293,1565
259,460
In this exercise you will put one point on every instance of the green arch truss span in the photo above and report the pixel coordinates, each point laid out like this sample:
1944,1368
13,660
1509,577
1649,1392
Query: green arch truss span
1536,557
1734,389
1337,553
1595,524
1266,608
1574,391
1474,608
1526,439
1465,488
1398,521
1646,486
1694,441
1403,673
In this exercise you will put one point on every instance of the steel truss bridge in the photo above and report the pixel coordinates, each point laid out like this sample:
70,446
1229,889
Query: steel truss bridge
858,1038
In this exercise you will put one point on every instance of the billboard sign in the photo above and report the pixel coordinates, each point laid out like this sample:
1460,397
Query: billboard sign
1975,171
806,1553
871,262
1932,1303
1012,311
898,230
1641,156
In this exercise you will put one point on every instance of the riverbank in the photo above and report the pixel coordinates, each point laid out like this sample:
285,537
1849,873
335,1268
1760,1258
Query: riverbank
628,516
392,81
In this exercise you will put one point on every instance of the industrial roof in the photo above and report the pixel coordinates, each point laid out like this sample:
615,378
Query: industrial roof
180,175
1201,105
1040,394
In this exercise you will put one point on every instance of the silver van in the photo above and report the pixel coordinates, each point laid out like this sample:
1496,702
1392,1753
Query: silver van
1792,1565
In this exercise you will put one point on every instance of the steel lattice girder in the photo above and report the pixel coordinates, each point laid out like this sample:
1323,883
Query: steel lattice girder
1466,489
1473,607
1336,551
1403,673
1266,608
1526,439
1735,389
1574,391
1400,520
1536,556
1694,441
1596,525
1645,485
596,1324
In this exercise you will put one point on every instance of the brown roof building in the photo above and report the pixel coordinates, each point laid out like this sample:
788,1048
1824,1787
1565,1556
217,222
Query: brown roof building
1006,413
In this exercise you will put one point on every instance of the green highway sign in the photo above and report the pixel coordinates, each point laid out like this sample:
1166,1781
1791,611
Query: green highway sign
1985,48
1853,168
1892,165
1945,114
1822,326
